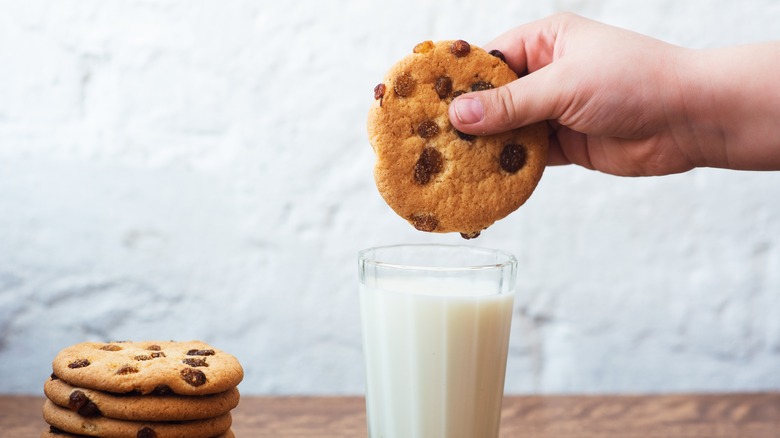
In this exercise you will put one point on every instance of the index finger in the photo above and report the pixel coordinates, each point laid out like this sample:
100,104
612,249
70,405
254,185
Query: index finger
530,46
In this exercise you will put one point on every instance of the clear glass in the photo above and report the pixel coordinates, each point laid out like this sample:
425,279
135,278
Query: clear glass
436,322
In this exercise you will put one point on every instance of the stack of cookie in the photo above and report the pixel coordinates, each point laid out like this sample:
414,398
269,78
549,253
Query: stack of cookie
142,390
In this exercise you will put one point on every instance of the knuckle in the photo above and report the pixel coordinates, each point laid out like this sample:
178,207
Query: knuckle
505,106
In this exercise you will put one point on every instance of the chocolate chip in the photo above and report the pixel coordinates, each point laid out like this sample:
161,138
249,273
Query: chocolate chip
200,353
458,93
195,362
443,86
77,399
193,377
512,157
429,164
404,85
423,47
481,85
460,48
149,357
427,129
90,410
464,136
79,363
146,432
79,402
424,222
126,369
154,347
498,54
162,390
379,93
110,347
468,236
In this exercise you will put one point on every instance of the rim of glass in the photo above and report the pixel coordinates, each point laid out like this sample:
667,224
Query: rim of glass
508,258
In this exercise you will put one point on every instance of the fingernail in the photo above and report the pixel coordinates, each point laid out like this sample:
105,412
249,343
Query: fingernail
468,110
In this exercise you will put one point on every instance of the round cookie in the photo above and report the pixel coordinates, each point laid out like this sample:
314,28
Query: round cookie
172,407
186,368
435,177
71,422
53,432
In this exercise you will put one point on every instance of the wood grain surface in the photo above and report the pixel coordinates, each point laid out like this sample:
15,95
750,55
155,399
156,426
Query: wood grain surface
646,416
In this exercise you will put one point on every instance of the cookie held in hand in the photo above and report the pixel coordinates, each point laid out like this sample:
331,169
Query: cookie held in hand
437,178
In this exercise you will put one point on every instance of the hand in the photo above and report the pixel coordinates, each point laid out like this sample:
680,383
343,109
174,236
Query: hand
626,104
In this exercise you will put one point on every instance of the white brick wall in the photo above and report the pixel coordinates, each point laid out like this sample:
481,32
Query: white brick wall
200,169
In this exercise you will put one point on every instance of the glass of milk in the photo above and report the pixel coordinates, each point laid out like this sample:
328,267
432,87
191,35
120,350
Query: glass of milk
436,322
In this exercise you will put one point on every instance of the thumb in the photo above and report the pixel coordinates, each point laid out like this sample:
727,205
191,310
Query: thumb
521,102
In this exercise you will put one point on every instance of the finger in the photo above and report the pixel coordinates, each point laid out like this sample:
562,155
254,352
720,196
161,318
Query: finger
555,155
531,46
573,147
532,98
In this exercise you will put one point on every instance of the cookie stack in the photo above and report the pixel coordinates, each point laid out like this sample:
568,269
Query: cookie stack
142,390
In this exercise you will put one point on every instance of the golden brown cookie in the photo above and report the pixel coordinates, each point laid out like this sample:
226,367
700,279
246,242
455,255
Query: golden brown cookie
153,407
186,368
53,432
435,177
71,422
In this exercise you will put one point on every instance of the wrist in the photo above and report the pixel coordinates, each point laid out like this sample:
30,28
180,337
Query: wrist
732,104
696,125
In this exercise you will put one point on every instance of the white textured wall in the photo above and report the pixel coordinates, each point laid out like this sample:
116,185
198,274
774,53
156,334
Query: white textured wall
200,169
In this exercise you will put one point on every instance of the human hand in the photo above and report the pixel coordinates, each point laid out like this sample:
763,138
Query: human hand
626,104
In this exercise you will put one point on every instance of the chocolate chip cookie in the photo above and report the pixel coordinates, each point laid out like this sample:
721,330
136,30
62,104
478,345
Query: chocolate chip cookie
53,432
185,368
437,178
152,407
71,422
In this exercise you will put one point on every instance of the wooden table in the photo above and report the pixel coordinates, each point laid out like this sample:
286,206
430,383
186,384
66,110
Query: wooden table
651,416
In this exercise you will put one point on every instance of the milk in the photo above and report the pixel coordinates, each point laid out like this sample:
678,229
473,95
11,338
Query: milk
435,352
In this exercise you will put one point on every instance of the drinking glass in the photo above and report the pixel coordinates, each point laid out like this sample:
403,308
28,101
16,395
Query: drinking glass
435,322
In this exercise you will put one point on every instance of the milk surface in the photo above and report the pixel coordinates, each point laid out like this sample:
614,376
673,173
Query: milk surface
435,352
